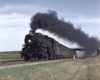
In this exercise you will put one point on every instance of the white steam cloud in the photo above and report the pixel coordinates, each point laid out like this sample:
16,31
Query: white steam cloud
62,41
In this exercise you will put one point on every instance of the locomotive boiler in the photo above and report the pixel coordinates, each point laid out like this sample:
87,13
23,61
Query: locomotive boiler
38,46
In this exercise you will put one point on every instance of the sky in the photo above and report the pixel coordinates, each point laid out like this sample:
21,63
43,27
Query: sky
15,18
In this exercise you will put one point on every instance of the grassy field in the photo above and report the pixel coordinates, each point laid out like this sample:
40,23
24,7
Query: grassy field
10,54
69,69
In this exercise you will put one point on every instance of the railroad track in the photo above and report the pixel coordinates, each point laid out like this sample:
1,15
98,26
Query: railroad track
20,61
5,61
11,62
25,63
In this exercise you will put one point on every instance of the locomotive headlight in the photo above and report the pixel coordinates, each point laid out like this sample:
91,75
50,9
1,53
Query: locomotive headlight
29,41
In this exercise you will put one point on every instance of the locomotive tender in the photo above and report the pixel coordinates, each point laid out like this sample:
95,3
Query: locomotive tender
38,46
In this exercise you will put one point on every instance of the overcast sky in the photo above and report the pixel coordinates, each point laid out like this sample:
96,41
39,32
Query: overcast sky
15,17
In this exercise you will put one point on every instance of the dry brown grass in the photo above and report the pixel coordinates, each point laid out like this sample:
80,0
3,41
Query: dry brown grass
79,69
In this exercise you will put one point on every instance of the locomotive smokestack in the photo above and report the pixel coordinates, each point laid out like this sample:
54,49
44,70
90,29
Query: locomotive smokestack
49,21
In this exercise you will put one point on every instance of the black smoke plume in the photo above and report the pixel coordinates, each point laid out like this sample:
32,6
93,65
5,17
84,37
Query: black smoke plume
49,21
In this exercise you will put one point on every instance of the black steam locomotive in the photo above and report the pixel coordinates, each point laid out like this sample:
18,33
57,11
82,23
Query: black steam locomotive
38,46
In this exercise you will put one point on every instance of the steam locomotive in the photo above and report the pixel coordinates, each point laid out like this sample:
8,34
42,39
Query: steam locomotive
38,46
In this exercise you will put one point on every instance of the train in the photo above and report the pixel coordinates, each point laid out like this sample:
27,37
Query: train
41,47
